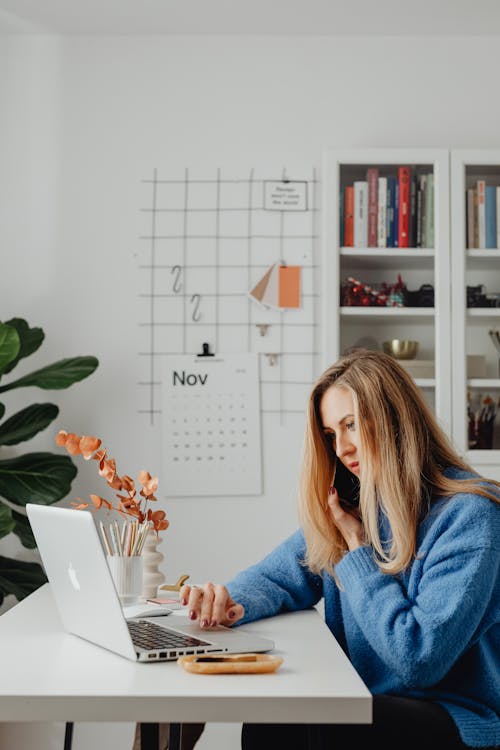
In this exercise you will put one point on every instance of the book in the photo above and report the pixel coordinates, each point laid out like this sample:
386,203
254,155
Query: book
470,217
404,206
481,213
420,200
423,221
396,211
382,212
391,201
429,211
349,216
476,219
413,210
341,216
498,215
372,180
360,213
490,214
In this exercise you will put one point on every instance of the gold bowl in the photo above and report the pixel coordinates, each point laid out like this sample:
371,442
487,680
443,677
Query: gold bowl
401,348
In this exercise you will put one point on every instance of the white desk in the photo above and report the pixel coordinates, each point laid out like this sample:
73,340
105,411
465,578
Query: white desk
47,675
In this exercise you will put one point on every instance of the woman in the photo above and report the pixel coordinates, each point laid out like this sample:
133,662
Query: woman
406,558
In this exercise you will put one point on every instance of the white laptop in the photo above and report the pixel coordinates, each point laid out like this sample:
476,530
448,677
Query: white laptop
89,606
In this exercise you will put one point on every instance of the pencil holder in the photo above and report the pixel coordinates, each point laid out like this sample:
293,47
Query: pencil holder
127,576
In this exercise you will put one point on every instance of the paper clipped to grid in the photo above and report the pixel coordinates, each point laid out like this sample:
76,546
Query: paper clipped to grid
279,287
211,431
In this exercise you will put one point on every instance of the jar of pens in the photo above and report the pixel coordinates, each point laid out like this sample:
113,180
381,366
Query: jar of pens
123,541
481,415
124,553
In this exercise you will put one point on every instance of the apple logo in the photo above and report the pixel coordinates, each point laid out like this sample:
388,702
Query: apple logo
73,577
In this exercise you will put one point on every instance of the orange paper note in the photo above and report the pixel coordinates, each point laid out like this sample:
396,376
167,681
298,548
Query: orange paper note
289,286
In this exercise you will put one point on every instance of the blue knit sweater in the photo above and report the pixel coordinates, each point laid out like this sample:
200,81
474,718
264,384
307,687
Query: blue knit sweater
432,632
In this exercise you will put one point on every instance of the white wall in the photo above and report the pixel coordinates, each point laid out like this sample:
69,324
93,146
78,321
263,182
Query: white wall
84,119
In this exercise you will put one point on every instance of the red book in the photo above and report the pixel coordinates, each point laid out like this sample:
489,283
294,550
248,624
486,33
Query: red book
404,176
372,179
349,216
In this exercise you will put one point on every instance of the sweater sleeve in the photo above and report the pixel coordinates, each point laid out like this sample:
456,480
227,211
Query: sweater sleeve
421,633
281,582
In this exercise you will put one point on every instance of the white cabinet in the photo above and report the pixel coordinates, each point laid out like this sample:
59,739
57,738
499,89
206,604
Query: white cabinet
477,268
348,326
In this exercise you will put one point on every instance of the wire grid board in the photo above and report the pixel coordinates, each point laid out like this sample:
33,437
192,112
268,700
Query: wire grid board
206,240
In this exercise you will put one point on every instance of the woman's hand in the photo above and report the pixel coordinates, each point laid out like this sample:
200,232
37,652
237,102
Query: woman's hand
346,522
210,604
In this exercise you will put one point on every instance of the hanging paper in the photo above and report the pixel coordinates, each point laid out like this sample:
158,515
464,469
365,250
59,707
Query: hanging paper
279,287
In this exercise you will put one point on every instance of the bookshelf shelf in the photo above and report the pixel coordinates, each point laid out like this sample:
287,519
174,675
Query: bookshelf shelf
389,252
425,382
484,383
347,326
491,254
388,312
483,312
487,460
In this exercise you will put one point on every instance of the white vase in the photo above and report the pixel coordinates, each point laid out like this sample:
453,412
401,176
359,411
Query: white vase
152,577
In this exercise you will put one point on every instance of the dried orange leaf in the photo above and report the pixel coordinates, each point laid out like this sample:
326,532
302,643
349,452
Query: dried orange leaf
61,437
80,506
88,445
99,502
128,483
73,444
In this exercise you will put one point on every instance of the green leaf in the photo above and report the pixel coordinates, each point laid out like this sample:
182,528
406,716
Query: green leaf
19,578
23,530
26,423
7,522
58,375
30,340
40,478
9,345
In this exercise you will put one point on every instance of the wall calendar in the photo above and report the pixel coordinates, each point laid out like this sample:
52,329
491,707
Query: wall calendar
211,425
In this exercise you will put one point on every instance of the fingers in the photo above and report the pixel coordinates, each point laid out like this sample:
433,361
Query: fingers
333,501
211,604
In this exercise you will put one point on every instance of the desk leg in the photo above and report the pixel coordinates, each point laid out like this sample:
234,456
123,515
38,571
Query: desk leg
174,737
68,736
150,736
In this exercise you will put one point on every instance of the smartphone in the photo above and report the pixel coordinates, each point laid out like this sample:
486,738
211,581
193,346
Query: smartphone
347,485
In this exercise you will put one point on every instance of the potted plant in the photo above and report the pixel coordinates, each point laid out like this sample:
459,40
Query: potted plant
39,477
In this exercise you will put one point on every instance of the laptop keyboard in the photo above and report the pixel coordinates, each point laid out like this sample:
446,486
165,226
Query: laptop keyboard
148,636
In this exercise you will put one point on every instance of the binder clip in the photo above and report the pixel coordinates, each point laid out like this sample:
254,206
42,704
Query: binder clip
205,351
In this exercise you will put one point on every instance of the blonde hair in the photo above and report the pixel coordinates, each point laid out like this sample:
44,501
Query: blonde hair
404,454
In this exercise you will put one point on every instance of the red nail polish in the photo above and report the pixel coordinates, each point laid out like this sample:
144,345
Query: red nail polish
192,615
231,615
204,623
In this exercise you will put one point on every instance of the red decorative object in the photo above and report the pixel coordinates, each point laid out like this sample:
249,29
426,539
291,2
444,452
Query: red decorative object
355,293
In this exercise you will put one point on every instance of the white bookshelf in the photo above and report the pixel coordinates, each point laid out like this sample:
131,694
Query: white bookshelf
471,267
344,327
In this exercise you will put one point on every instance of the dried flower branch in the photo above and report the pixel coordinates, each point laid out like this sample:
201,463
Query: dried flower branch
129,503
